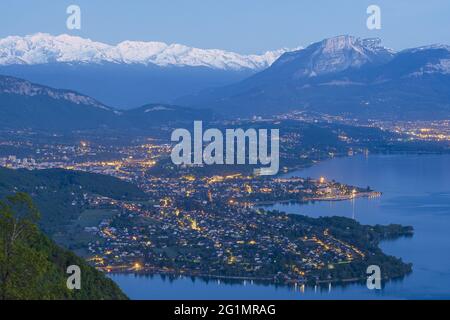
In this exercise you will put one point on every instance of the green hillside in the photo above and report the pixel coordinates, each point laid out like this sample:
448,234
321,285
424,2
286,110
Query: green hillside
34,267
59,194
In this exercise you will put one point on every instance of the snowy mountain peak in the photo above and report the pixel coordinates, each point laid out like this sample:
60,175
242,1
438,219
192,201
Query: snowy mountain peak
336,54
43,48
337,43
344,42
342,52
429,47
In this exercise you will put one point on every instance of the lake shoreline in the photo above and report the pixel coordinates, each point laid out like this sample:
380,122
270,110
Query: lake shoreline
408,182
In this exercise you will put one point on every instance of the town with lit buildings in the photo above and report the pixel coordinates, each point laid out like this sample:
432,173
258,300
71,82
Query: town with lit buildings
206,224
214,227
207,237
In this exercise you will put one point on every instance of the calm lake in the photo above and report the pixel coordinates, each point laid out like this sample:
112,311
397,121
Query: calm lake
416,191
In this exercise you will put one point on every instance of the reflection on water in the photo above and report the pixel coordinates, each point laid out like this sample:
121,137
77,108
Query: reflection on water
416,191
162,287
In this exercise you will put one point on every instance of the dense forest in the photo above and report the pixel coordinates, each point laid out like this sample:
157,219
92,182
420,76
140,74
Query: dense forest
33,267
59,193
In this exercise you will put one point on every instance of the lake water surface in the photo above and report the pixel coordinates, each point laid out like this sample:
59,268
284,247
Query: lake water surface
416,191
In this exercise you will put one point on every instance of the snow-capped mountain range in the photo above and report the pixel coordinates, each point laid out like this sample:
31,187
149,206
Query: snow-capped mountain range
340,75
44,48
343,75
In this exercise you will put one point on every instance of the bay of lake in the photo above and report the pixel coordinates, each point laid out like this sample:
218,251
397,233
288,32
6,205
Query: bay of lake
416,191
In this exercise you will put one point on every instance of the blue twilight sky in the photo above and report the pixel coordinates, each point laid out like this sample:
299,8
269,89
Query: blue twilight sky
245,26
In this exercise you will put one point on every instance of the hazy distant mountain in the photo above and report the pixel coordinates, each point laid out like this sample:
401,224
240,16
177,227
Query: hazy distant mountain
163,114
27,105
346,76
128,74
